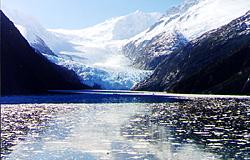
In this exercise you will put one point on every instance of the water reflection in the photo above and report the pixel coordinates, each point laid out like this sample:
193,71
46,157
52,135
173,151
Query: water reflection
218,126
20,121
195,129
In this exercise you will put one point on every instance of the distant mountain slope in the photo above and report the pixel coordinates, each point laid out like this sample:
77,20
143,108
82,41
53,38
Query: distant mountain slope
23,71
37,36
102,43
88,45
116,28
216,62
94,53
179,26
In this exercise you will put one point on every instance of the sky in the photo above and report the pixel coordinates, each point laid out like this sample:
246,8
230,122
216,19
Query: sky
76,14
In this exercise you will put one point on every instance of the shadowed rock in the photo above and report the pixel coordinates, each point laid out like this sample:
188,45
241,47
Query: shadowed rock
23,71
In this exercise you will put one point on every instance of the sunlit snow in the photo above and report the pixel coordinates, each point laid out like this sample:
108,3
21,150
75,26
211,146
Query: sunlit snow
101,44
94,53
194,20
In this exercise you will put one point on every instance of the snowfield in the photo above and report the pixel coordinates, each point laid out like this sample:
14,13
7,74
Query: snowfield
100,45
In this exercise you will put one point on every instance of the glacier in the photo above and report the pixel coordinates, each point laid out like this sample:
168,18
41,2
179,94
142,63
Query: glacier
101,78
94,53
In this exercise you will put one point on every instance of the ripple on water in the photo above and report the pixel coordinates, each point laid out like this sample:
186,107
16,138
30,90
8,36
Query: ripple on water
219,126
195,129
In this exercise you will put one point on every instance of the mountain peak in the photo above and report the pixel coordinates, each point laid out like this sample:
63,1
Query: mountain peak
138,12
192,19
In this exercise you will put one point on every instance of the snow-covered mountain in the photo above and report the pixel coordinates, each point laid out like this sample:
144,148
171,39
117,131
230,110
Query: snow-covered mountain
117,28
216,62
101,44
23,71
97,55
35,33
94,53
190,20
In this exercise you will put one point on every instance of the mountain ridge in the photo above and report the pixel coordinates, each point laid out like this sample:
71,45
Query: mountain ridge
212,63
95,58
24,71
192,20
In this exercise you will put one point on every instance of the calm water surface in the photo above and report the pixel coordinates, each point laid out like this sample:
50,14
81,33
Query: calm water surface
200,128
